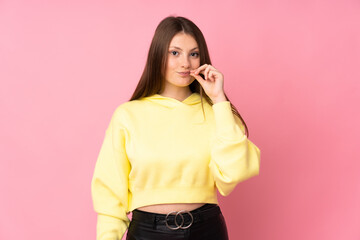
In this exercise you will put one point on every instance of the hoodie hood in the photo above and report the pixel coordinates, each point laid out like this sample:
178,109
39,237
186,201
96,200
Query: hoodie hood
170,102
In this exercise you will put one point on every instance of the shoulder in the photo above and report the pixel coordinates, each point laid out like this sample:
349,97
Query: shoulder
128,108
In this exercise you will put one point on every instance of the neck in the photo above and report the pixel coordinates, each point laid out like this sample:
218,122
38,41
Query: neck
179,94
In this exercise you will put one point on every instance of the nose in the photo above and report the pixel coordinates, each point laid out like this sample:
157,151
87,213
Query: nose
185,62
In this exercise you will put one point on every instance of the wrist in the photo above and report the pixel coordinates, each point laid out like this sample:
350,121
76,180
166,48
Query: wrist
220,98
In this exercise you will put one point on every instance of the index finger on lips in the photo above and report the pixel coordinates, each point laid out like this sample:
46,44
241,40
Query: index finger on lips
199,69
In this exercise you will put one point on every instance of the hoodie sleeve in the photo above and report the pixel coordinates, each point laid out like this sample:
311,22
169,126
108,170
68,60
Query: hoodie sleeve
109,185
234,158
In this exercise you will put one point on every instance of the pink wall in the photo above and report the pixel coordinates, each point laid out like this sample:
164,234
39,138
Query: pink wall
292,70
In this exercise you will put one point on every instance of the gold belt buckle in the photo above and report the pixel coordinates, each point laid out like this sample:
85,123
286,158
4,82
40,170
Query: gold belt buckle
182,222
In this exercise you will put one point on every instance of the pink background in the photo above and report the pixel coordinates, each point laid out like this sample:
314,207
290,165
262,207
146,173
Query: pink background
290,67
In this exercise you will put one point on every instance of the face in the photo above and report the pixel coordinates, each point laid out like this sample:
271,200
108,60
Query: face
183,56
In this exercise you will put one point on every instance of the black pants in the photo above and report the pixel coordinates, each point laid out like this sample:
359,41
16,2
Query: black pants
204,223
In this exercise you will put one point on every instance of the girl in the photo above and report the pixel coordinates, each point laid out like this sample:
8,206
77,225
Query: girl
172,146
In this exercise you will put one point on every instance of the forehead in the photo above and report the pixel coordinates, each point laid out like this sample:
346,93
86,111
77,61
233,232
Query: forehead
183,41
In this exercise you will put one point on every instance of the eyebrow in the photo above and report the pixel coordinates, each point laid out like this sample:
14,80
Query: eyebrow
181,49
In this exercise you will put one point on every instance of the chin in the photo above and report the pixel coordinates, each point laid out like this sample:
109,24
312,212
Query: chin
185,83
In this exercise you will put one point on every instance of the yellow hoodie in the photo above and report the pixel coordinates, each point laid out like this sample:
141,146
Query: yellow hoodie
160,150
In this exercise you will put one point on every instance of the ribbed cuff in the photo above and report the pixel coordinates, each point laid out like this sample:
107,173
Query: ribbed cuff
109,227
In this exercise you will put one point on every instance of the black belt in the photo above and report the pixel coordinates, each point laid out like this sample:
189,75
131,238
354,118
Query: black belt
175,220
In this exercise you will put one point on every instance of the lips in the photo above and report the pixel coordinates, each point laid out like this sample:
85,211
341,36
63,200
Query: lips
184,73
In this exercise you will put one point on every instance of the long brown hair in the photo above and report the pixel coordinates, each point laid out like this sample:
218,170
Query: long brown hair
152,78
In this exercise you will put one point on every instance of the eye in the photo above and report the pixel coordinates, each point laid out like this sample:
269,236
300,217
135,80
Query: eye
196,54
172,52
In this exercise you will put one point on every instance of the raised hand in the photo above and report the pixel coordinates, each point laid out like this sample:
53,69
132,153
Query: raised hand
213,84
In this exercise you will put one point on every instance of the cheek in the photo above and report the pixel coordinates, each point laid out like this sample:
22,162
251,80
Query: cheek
172,64
195,63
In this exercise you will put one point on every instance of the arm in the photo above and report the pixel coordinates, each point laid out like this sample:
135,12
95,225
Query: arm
109,185
234,158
